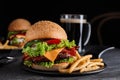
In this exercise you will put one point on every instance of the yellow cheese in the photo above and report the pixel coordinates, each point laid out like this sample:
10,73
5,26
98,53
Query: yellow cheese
51,55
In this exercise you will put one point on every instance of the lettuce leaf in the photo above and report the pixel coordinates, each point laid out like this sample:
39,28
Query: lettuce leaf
12,33
15,32
45,64
70,60
37,48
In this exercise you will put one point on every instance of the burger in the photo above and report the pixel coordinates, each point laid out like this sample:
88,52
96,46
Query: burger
47,47
17,30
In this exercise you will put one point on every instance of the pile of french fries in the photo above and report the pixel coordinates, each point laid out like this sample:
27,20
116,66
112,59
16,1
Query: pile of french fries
6,46
84,64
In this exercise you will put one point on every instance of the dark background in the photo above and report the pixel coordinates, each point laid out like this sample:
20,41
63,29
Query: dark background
35,10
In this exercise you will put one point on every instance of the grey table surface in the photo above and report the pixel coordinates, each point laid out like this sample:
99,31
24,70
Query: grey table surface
15,71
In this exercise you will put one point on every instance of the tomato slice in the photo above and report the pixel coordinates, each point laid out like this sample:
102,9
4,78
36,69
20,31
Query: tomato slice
53,41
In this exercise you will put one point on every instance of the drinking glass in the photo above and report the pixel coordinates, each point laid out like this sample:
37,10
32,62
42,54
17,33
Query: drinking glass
77,28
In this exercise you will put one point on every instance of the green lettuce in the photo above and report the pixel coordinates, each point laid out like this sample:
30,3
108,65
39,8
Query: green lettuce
27,63
15,32
14,41
45,64
37,47
12,33
70,60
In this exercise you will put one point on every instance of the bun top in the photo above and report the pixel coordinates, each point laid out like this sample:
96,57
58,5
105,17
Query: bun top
45,30
19,24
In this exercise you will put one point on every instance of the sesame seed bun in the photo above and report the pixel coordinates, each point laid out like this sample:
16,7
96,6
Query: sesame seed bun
19,24
45,30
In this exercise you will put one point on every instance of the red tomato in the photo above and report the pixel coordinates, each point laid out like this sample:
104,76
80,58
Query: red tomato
53,41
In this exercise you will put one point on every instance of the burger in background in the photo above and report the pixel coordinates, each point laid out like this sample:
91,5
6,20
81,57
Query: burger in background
47,47
16,32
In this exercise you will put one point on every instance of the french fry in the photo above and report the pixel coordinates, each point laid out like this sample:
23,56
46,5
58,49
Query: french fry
97,60
95,63
6,43
80,66
78,55
78,61
10,47
0,43
89,69
83,64
6,46
1,46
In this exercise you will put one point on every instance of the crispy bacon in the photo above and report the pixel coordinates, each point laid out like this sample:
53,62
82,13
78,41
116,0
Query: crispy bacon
70,51
35,59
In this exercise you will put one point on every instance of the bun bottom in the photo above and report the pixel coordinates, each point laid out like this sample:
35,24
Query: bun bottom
55,67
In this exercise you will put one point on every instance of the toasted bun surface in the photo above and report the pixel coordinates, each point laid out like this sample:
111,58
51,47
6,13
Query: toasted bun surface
19,24
45,29
55,67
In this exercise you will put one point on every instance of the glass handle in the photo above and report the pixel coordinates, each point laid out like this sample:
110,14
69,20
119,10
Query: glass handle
89,33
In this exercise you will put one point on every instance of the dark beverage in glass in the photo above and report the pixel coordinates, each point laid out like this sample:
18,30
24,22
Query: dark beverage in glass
77,28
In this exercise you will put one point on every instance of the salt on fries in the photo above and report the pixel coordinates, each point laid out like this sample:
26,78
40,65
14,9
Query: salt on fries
6,46
84,64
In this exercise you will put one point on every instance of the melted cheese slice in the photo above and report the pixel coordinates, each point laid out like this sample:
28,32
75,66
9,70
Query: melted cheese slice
51,55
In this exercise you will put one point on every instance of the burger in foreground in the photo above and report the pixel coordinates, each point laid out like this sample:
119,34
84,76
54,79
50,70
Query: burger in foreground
47,47
17,30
